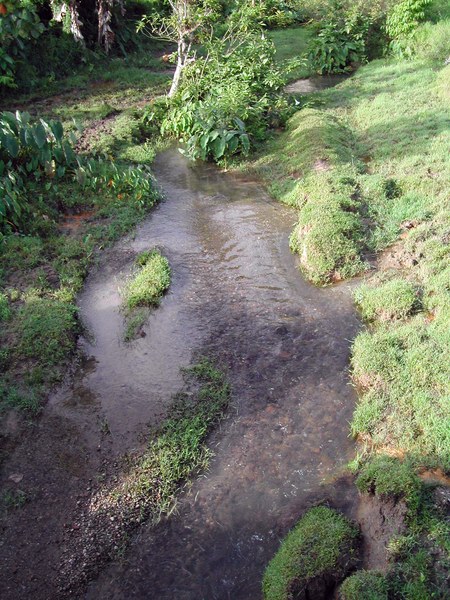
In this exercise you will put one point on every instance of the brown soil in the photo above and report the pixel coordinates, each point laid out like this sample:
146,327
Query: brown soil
380,520
93,132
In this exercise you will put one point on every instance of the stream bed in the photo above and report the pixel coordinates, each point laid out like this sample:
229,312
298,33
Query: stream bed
236,295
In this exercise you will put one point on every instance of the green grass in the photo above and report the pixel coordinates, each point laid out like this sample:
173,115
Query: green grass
322,547
149,282
292,44
394,299
144,290
42,271
311,166
369,585
387,477
367,165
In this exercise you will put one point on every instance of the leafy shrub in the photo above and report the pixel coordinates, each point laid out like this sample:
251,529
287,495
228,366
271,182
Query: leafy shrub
395,299
431,41
314,556
369,585
16,28
402,21
227,100
29,152
336,49
340,41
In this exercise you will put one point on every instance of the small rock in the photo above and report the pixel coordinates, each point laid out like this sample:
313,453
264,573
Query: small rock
16,477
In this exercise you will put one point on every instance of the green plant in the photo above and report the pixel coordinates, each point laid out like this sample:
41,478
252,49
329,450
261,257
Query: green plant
314,556
16,28
402,21
431,41
13,499
29,151
228,99
46,330
5,311
340,41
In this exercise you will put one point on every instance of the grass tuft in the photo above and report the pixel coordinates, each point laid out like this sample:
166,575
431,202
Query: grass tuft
314,556
149,282
388,477
395,299
369,585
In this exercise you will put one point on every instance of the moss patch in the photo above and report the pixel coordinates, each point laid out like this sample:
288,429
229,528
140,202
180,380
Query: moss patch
313,558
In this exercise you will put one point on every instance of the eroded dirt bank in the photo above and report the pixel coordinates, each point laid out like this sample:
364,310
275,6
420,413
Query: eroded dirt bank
236,295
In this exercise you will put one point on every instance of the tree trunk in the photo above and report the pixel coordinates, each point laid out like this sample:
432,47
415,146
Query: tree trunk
176,79
183,59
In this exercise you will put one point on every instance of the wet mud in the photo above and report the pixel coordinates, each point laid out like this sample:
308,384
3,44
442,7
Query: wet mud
236,295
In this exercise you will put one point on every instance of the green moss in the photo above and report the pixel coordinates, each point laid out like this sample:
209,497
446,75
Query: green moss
369,585
387,476
149,282
320,550
394,299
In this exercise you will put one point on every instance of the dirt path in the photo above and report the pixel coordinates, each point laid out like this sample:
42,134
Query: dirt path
236,295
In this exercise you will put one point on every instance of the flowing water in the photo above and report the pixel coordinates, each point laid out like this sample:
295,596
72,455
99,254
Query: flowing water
237,295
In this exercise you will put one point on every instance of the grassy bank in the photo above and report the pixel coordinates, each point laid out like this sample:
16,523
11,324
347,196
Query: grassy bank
44,262
367,166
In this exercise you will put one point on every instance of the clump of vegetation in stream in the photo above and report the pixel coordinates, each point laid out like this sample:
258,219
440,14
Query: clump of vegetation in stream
314,557
144,290
147,489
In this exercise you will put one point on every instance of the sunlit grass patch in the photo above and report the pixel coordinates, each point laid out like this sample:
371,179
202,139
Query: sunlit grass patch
144,290
370,585
150,281
394,299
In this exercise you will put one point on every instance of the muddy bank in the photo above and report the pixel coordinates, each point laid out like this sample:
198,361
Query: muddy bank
237,295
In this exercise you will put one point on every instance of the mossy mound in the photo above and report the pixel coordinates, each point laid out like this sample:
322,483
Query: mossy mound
329,233
313,558
369,585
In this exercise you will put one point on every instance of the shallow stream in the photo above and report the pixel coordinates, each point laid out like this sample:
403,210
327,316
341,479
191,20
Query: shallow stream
236,295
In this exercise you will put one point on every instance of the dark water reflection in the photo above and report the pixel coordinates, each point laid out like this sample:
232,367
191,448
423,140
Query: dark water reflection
238,295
